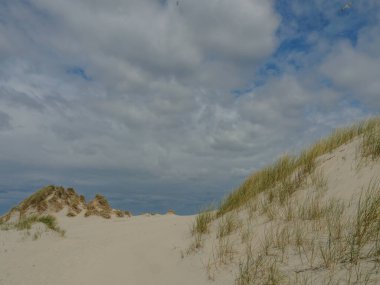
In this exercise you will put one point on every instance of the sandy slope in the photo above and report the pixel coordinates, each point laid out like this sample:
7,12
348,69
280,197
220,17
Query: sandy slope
137,250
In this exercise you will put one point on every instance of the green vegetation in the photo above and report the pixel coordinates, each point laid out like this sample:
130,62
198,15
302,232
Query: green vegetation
37,199
321,236
50,198
371,141
26,224
200,228
202,222
289,172
49,221
300,236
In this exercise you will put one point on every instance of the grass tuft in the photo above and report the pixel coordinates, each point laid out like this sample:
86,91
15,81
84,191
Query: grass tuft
365,229
199,228
202,222
227,225
49,221
370,147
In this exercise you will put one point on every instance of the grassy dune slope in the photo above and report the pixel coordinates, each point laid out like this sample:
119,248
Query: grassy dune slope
291,171
307,219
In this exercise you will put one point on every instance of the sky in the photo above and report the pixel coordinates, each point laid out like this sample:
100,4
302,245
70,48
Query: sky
162,104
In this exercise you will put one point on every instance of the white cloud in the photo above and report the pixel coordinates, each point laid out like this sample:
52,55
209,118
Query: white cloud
354,70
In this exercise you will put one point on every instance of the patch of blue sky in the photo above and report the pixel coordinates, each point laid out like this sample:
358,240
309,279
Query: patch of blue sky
249,89
78,71
267,70
350,29
326,19
303,25
298,44
240,92
326,82
354,102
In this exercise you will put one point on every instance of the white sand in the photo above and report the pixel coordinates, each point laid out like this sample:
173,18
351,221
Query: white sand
136,250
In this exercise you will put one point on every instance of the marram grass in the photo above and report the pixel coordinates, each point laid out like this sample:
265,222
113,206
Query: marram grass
291,171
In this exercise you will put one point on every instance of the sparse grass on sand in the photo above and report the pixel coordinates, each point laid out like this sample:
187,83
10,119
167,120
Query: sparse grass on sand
26,224
289,172
308,238
228,224
371,141
200,228
325,241
202,222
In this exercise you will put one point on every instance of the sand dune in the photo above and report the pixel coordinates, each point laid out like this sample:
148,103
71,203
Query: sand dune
312,225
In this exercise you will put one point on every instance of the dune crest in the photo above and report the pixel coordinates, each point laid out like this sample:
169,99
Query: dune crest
56,199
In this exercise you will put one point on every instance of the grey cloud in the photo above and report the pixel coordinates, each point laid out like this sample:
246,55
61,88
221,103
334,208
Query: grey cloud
5,121
354,72
143,39
19,99
157,117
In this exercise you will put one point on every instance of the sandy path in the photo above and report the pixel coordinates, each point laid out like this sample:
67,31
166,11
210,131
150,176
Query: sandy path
137,250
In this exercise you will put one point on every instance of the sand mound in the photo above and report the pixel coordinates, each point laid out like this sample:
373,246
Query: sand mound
99,206
54,199
50,199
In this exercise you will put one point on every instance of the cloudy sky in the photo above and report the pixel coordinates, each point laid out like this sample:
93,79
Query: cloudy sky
169,104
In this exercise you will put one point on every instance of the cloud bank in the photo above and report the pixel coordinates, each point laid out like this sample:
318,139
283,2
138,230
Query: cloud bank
170,104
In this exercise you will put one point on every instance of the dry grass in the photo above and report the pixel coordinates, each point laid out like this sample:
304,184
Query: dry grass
308,237
289,172
319,181
371,141
257,269
202,222
228,224
200,228
225,251
258,182
323,236
365,229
